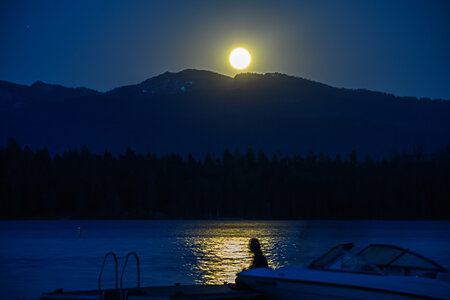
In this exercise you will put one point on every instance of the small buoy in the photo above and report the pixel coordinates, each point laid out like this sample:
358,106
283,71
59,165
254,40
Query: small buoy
79,232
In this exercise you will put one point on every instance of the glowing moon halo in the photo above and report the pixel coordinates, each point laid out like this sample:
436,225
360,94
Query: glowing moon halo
240,58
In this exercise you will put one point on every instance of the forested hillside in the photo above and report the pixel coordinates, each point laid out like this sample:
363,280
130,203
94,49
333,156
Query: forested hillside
79,184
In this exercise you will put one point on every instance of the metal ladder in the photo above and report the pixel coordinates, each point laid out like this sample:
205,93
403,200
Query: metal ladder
122,293
103,266
138,269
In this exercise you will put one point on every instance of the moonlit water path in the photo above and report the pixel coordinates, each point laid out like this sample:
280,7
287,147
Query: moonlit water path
37,256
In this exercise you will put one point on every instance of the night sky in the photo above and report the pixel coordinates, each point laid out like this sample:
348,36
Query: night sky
401,47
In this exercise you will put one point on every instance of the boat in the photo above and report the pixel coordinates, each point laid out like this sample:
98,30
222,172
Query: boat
376,272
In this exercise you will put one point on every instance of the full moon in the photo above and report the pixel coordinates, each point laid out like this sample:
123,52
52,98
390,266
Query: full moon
240,58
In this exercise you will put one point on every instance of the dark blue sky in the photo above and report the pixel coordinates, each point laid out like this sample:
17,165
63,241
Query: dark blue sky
402,47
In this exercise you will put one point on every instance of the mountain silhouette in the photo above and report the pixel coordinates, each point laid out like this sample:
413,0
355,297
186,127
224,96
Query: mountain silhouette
201,111
15,96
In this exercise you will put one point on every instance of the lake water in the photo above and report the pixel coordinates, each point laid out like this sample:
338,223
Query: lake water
38,256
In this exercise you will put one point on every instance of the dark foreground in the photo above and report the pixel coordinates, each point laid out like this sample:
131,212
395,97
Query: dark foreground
187,292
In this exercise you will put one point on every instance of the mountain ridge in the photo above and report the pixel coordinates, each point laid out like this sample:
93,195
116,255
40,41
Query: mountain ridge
252,75
194,73
201,111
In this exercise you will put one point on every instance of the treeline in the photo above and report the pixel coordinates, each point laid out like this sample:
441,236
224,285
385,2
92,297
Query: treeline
79,184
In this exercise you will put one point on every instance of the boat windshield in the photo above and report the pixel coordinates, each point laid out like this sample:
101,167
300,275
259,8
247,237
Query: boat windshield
379,259
340,258
385,256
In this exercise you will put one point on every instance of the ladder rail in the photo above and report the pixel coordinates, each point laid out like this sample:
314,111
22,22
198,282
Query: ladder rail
103,267
138,269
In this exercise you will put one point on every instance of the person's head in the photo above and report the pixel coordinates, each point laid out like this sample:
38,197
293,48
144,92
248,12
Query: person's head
254,246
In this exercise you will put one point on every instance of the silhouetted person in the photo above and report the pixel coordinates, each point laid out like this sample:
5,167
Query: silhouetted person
259,261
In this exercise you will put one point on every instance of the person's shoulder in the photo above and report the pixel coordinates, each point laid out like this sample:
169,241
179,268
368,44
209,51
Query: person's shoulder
260,261
265,261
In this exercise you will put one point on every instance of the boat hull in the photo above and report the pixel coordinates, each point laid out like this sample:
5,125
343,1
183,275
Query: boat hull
310,285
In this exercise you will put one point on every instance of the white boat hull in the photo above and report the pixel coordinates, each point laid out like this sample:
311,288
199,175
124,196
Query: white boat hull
315,286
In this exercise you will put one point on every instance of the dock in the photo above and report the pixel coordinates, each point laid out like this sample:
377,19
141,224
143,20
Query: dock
177,292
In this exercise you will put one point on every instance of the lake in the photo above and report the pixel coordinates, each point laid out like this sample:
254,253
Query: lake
38,256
